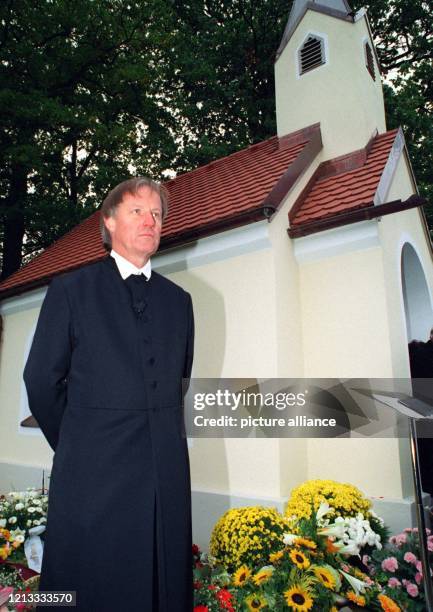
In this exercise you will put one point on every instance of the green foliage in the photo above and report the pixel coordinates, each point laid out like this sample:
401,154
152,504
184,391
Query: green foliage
403,34
80,100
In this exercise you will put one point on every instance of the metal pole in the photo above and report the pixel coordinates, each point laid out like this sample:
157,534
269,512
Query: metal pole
427,581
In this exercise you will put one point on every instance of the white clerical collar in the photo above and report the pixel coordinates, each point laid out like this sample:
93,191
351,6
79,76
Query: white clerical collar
126,268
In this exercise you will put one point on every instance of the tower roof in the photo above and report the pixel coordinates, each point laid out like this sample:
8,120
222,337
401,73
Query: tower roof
335,8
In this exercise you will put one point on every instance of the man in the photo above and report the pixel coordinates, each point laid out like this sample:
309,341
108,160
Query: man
104,381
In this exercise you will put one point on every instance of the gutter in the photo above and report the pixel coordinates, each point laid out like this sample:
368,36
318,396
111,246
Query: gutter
368,212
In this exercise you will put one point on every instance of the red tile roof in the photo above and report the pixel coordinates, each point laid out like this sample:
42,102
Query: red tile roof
227,192
343,184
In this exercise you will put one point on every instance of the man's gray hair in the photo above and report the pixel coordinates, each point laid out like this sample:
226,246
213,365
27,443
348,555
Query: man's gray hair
114,198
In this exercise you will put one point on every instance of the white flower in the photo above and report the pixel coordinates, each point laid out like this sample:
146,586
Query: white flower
289,539
336,529
19,506
348,548
3,523
357,585
12,519
31,509
324,508
29,523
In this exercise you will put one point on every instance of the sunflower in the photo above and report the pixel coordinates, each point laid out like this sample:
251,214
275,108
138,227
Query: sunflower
306,542
388,604
276,556
255,601
325,576
299,559
263,575
358,599
298,599
241,575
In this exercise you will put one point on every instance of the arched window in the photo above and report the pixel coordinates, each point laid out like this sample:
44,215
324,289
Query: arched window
311,54
416,296
369,60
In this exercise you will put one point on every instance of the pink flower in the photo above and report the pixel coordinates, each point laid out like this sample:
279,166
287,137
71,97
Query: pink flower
430,545
409,557
405,582
412,589
394,583
401,539
418,566
408,530
365,560
418,577
390,564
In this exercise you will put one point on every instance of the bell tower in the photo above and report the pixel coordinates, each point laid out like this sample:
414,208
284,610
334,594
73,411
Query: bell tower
327,71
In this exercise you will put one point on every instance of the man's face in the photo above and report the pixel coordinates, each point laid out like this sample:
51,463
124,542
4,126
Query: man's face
135,228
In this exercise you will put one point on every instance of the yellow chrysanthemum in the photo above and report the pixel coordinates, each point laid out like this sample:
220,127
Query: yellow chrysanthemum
359,600
241,575
247,536
298,599
255,601
306,542
299,559
276,556
344,499
325,576
263,575
388,604
333,609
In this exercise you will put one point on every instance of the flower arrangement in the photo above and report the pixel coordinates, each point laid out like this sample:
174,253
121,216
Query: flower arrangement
22,520
398,569
305,570
355,526
247,536
343,499
22,514
351,534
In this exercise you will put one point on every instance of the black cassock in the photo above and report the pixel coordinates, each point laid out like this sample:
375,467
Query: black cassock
105,385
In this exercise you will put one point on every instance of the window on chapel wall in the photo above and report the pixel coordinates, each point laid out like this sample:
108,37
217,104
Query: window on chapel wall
369,60
311,54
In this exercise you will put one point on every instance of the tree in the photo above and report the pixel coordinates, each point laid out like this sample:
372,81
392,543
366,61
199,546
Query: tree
81,101
403,32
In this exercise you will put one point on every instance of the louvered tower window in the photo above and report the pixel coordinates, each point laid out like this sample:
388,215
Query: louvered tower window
369,60
311,54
